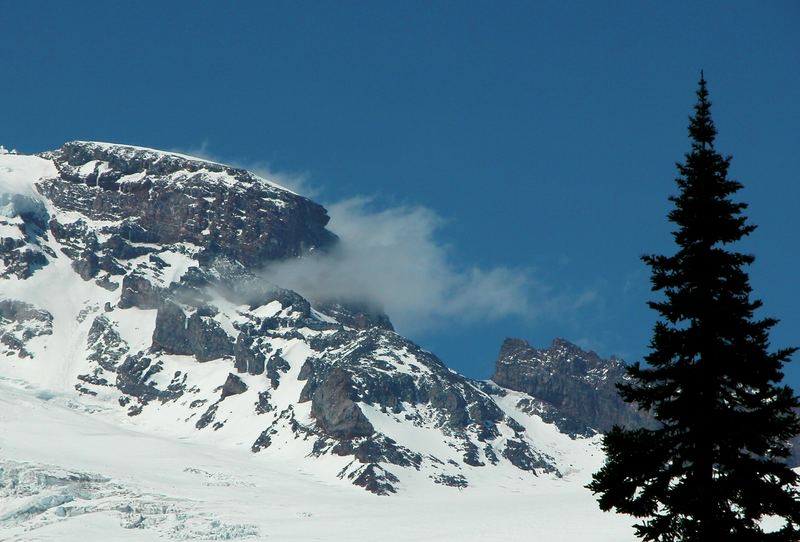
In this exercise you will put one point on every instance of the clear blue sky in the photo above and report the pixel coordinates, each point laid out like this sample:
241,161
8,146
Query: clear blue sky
543,133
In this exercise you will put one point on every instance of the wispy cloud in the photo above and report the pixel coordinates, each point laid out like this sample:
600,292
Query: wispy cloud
391,258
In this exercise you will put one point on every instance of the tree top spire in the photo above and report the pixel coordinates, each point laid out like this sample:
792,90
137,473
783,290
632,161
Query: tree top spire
701,126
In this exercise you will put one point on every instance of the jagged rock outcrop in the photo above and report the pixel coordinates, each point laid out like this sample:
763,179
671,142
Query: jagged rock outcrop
164,198
137,291
276,366
19,323
375,479
199,335
356,315
333,407
573,388
105,350
233,386
135,379
23,233
248,359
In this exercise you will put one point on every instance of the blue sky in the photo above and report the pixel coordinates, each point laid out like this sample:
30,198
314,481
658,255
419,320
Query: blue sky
528,147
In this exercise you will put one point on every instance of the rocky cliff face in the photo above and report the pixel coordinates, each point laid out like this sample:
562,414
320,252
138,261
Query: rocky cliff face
574,388
132,278
151,197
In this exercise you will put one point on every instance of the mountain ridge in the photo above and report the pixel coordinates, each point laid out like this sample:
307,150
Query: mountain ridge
167,316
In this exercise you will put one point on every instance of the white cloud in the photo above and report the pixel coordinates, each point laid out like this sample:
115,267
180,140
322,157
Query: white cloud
392,259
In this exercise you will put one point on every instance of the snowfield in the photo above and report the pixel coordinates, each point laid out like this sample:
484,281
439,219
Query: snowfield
70,471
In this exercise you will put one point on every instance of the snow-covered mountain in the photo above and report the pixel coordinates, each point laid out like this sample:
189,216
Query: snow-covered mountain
133,294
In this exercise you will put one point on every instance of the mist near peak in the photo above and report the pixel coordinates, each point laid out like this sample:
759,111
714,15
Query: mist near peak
390,258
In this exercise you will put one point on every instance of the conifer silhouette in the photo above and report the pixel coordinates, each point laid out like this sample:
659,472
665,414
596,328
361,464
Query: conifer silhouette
713,465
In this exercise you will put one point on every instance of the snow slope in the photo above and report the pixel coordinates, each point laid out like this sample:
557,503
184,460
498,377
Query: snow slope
153,487
19,173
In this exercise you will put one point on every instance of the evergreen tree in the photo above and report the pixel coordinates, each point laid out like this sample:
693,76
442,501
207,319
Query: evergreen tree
712,467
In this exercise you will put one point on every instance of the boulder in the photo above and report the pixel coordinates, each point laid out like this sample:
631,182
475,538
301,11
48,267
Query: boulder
233,386
333,407
198,335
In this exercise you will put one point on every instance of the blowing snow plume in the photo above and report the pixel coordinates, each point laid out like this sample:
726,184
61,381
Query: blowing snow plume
390,259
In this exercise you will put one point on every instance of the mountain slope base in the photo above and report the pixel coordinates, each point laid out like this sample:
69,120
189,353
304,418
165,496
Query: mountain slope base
182,488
